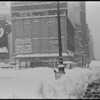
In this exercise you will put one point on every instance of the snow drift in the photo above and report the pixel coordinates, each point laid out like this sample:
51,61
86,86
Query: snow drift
40,83
94,65
70,86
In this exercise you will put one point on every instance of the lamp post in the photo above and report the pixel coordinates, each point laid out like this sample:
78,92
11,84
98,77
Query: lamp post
87,56
82,58
60,66
84,54
88,53
68,55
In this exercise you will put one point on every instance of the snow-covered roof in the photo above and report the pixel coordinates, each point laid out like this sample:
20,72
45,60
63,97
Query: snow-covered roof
95,63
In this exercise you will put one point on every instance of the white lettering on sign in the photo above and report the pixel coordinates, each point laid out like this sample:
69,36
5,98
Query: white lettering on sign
23,45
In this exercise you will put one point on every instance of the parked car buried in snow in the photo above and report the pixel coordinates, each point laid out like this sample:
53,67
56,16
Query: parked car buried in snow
94,65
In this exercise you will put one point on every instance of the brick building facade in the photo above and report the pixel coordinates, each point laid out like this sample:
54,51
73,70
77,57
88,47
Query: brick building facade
35,32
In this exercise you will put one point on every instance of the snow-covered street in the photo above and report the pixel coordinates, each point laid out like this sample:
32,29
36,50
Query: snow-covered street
23,83
40,83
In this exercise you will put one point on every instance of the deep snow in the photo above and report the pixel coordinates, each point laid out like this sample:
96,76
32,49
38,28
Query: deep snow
40,83
23,83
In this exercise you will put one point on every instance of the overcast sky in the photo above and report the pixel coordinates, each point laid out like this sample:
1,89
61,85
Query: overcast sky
93,20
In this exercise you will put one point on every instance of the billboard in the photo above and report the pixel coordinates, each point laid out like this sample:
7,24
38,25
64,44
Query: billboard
23,45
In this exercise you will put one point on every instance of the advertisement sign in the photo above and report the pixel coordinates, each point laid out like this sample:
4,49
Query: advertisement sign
23,45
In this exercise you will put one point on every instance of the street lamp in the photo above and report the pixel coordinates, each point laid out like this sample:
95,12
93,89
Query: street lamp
86,46
82,58
61,66
68,55
88,52
86,55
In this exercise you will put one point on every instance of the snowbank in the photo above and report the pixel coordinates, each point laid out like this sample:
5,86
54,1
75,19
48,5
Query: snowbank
40,83
94,65
23,83
70,86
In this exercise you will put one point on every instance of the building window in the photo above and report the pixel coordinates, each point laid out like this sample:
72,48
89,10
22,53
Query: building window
50,28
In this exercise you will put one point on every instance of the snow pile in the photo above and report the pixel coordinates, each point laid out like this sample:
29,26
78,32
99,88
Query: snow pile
40,83
94,65
24,83
70,86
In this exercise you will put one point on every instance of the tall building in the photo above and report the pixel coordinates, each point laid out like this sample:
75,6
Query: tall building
90,45
77,15
91,49
35,31
75,18
83,31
